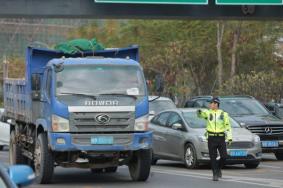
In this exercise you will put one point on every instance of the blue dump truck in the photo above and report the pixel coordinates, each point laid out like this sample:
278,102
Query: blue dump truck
86,110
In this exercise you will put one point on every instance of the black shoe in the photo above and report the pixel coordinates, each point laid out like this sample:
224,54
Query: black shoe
219,173
215,177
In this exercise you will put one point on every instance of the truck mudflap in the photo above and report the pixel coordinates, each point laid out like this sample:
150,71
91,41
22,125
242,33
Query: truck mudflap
84,142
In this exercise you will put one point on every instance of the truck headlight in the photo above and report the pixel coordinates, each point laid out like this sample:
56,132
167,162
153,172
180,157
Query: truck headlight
60,124
256,139
141,124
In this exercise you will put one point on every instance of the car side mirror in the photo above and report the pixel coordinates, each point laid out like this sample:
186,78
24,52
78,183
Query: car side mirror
177,126
21,175
35,86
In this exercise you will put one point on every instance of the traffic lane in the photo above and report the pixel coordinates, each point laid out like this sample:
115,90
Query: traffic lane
159,179
170,174
269,167
268,173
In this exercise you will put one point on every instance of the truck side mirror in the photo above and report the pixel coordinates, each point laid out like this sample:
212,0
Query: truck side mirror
159,83
35,86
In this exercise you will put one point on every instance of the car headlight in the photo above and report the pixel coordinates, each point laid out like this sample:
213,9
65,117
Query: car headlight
202,138
60,124
141,123
256,139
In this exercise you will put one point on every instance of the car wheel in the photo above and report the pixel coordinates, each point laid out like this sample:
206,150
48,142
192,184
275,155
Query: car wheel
190,157
1,148
279,156
251,165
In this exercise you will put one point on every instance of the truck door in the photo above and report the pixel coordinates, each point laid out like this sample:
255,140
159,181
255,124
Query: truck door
46,94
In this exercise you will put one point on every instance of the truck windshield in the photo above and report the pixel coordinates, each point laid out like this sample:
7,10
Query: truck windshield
96,80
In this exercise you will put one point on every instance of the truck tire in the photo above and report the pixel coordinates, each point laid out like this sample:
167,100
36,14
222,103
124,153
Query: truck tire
279,156
190,157
43,160
139,165
15,153
252,165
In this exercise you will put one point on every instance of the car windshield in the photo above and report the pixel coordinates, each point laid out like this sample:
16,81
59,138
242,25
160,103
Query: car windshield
243,107
195,122
280,112
160,105
87,80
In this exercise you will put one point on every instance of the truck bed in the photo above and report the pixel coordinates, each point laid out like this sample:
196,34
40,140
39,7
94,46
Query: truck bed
16,101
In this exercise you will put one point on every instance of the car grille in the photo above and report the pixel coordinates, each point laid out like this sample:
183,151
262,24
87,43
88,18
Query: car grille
266,129
241,145
87,122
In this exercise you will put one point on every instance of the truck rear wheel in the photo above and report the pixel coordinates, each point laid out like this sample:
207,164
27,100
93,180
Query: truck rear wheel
139,165
279,156
15,153
43,160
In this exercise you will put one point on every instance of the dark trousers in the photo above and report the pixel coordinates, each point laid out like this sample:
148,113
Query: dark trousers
217,143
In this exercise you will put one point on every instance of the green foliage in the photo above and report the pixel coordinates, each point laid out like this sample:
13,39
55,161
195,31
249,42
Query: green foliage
185,53
262,85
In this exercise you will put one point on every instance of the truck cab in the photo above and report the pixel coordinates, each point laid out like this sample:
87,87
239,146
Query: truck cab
86,111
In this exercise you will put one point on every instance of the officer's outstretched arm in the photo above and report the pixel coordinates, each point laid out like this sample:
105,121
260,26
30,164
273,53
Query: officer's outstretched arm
202,114
228,127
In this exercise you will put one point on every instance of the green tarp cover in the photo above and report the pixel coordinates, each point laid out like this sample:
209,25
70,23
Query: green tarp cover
79,46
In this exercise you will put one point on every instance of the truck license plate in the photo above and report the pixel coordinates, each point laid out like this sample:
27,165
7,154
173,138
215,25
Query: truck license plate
102,140
270,144
238,153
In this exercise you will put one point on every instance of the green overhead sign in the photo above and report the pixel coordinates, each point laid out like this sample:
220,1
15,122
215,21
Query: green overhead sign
197,2
184,2
249,2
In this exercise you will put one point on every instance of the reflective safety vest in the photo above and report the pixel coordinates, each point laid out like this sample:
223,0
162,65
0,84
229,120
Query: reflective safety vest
217,122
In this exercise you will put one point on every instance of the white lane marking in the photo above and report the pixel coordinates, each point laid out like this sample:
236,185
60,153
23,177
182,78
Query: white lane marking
246,180
269,166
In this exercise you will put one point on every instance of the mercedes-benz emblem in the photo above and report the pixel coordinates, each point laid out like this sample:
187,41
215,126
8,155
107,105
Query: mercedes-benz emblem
268,130
102,118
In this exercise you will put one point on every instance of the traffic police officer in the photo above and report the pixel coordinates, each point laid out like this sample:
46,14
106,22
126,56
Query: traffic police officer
218,130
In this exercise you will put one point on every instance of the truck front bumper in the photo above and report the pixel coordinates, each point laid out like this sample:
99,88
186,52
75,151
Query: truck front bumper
82,142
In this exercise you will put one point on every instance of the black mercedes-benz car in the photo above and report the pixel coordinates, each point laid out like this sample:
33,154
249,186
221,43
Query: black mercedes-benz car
251,114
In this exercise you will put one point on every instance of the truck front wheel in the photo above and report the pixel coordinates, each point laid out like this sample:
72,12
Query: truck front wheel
43,160
139,165
15,153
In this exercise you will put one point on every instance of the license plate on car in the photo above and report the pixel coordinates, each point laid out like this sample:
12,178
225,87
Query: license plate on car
238,153
270,144
102,140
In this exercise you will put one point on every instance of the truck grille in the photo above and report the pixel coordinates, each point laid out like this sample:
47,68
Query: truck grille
85,139
241,145
266,129
88,121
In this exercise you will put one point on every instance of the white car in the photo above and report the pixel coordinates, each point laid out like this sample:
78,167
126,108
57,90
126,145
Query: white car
158,104
4,131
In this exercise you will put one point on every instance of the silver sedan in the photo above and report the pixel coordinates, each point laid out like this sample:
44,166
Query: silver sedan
179,135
